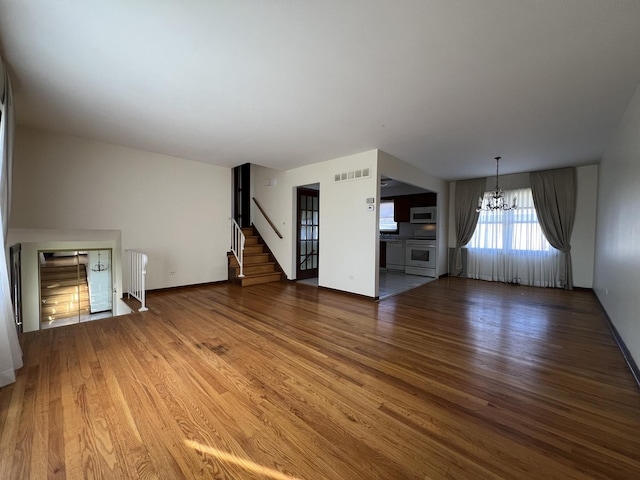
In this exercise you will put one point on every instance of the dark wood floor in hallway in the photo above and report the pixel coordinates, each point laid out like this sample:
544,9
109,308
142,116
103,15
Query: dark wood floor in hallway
456,379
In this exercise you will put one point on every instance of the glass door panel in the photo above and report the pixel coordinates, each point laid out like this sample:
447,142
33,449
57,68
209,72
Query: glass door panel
75,285
308,233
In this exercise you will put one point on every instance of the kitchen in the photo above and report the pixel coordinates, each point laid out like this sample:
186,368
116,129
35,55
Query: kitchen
408,219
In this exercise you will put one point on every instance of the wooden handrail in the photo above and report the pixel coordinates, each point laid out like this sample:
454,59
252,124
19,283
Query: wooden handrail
266,217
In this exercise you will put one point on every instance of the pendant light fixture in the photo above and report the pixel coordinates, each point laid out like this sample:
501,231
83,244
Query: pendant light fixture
99,267
496,198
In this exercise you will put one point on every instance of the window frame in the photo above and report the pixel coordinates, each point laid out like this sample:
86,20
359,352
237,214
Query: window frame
507,222
385,230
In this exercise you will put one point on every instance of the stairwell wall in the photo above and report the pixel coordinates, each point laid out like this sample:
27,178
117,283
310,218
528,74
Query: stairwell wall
174,210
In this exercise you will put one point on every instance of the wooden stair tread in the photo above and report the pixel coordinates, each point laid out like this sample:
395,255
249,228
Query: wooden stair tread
253,249
255,267
62,284
263,274
53,312
64,292
258,264
54,275
259,278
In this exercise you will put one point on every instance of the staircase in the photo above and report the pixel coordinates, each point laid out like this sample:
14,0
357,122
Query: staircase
259,265
64,292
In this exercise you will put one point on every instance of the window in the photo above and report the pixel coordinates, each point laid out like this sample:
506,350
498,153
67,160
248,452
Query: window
509,246
387,223
512,229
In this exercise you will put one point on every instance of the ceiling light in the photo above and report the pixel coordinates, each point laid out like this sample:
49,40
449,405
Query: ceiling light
99,267
496,198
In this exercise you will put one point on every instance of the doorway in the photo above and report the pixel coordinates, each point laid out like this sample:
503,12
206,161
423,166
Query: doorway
242,195
75,286
308,232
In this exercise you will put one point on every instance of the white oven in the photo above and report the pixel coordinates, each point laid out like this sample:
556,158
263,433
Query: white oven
420,258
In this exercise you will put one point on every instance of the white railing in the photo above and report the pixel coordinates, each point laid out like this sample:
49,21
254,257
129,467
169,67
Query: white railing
237,244
137,274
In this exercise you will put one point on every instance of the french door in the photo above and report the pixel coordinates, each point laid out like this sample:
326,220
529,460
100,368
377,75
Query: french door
308,233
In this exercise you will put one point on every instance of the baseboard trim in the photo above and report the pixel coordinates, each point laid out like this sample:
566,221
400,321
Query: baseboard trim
165,290
633,366
344,292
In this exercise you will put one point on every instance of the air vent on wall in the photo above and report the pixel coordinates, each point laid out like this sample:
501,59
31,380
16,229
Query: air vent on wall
354,175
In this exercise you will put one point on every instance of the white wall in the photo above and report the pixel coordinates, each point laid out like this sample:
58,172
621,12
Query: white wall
617,255
99,281
583,235
348,231
349,236
173,209
391,167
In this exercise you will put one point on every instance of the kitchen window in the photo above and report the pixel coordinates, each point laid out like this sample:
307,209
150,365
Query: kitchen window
387,223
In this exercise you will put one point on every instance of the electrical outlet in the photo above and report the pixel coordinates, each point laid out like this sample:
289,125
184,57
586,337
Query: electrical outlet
172,273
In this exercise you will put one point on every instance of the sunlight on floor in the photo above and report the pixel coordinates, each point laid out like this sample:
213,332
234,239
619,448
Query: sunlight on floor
61,322
241,462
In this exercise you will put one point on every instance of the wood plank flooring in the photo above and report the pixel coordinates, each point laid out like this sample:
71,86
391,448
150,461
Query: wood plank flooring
456,379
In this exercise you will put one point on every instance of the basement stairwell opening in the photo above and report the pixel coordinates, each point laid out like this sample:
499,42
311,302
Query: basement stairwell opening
75,286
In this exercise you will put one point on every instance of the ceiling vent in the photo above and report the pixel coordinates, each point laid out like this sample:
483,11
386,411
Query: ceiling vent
354,175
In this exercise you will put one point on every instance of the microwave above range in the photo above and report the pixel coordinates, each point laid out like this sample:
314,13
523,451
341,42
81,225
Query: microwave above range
423,214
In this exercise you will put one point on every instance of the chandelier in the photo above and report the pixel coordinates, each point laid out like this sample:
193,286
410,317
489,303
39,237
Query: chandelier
99,267
496,198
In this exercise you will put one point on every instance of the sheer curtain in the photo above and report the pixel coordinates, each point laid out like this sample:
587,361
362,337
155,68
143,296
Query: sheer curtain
509,246
10,352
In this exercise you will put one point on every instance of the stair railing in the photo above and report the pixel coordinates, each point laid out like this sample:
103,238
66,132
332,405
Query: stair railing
266,217
237,244
137,274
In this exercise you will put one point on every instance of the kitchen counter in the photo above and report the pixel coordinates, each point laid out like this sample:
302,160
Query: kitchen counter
391,238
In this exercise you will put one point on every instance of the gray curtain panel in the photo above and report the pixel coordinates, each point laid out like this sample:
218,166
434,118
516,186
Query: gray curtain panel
466,217
10,351
8,124
554,196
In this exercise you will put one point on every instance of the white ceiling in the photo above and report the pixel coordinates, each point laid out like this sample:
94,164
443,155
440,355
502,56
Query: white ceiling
444,85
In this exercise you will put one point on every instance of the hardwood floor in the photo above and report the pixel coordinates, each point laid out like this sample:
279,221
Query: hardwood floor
456,379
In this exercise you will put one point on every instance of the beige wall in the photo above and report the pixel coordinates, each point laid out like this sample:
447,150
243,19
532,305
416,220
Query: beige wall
174,210
583,237
617,252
